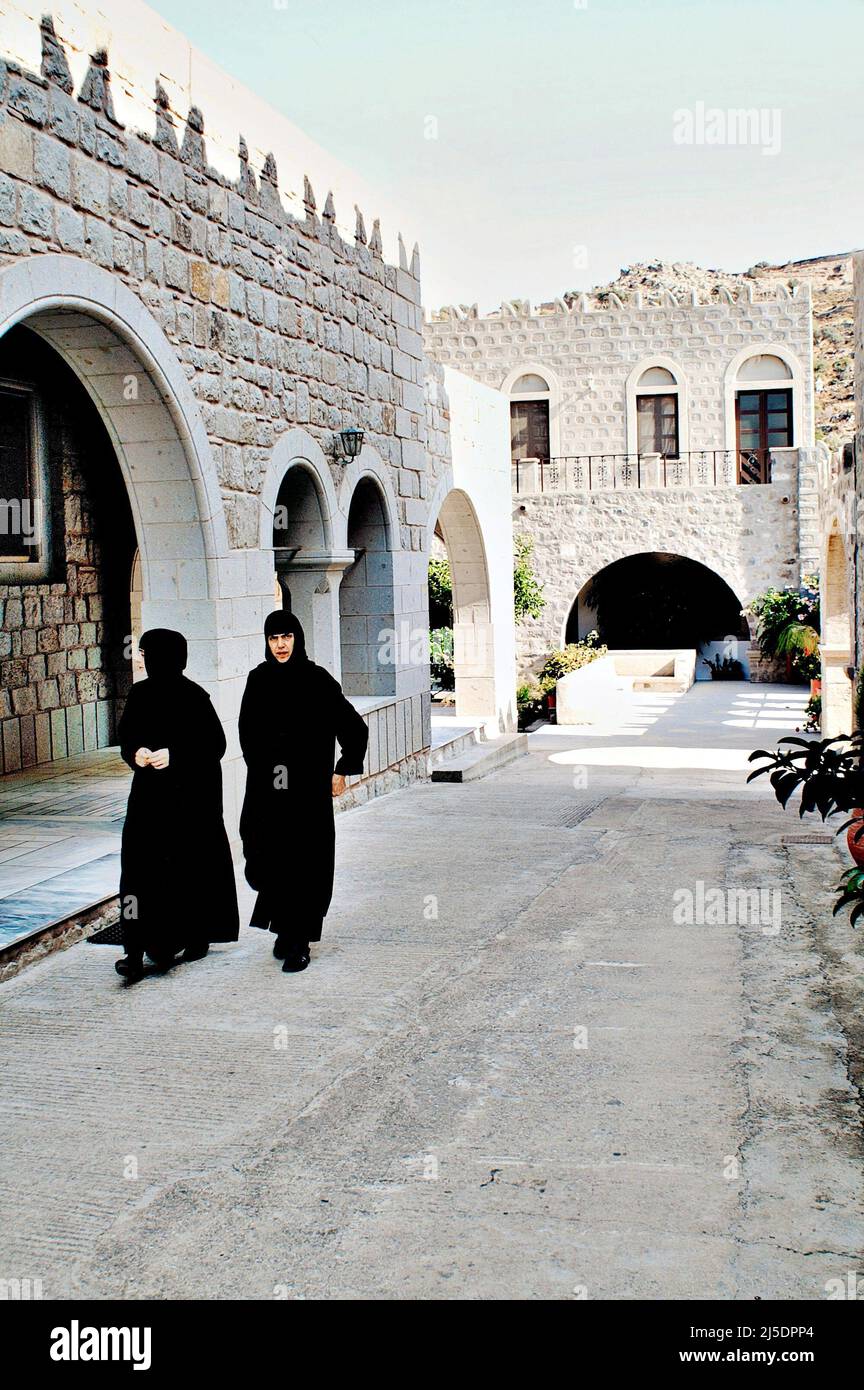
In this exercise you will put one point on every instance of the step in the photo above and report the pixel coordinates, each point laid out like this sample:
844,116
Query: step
486,757
462,742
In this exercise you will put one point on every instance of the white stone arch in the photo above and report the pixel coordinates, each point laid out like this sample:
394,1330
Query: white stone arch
836,637
473,630
135,379
798,383
374,655
682,388
296,448
309,570
554,396
680,548
368,464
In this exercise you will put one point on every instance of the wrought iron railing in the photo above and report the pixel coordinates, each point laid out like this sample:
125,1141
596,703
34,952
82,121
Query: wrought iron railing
590,472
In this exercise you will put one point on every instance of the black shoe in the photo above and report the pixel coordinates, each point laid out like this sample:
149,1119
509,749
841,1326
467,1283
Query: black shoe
296,960
281,947
130,967
196,950
162,963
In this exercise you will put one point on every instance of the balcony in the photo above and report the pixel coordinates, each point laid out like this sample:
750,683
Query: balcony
623,472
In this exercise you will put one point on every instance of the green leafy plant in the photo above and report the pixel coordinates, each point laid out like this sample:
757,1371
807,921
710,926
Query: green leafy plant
441,658
813,711
528,600
725,668
851,894
570,658
440,593
529,703
788,625
830,776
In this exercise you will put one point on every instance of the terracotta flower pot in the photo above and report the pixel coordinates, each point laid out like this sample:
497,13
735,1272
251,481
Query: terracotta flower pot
856,849
816,687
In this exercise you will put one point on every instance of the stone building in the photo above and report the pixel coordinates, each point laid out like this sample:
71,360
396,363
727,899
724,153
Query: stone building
182,351
654,428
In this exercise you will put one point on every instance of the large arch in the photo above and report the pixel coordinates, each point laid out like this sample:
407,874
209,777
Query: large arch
836,637
473,632
132,374
659,599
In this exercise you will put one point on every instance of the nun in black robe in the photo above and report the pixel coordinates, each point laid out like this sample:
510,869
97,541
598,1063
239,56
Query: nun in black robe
177,889
292,714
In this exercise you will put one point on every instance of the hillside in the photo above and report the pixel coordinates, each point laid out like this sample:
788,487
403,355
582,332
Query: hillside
830,280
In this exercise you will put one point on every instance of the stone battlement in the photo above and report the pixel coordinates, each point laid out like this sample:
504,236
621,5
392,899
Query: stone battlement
89,120
608,300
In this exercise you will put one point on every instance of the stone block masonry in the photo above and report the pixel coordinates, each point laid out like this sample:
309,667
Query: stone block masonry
276,320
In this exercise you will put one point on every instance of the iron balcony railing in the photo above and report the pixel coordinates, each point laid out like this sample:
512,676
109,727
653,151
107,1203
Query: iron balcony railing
589,472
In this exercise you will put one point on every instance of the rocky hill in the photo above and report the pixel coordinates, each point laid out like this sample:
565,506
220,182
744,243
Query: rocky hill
830,280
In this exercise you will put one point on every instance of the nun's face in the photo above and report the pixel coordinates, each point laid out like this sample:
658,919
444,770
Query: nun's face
281,645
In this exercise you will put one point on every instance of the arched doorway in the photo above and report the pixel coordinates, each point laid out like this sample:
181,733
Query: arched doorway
68,575
653,600
836,641
459,537
371,648
161,483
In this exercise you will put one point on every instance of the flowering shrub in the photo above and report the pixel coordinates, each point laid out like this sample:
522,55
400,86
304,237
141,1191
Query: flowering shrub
788,623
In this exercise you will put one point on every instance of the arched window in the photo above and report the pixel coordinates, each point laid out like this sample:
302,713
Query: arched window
657,413
763,413
530,395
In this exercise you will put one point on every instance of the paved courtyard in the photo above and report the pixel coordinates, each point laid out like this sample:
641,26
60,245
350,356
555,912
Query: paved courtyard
511,1070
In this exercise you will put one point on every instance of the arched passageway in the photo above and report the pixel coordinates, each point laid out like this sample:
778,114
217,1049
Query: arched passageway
300,540
836,641
657,600
67,565
459,534
370,645
143,479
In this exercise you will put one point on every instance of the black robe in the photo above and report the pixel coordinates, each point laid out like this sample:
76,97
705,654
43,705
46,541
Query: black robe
177,879
290,721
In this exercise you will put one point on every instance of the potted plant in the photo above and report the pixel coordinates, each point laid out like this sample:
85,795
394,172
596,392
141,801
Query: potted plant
788,626
830,776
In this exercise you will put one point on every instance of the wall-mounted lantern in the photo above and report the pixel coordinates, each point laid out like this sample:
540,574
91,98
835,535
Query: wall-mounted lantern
348,443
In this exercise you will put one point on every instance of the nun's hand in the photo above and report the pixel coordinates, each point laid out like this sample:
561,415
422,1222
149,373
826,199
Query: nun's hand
159,758
142,757
338,784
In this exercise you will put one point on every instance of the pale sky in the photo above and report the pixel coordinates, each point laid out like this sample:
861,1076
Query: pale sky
554,161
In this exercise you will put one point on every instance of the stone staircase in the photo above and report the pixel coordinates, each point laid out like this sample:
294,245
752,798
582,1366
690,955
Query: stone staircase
471,754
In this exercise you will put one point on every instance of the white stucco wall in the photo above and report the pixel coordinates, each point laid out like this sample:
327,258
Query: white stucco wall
480,445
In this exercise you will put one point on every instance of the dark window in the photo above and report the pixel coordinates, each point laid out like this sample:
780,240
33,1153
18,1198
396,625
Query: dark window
529,430
19,530
763,421
658,425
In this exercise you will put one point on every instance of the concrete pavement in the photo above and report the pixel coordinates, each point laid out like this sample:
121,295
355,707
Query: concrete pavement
514,1069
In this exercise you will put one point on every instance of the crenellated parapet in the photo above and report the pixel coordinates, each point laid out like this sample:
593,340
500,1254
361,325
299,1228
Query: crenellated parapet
602,301
47,100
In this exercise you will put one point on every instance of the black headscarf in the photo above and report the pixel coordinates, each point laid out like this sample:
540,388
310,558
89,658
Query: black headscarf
165,653
281,621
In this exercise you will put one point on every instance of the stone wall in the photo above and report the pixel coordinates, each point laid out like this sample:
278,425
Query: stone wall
276,321
591,350
747,535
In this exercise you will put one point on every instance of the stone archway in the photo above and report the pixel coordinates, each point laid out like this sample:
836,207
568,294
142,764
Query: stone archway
657,599
134,378
836,643
473,637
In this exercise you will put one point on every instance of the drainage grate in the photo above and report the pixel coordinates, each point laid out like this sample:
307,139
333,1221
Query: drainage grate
577,814
814,837
108,936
